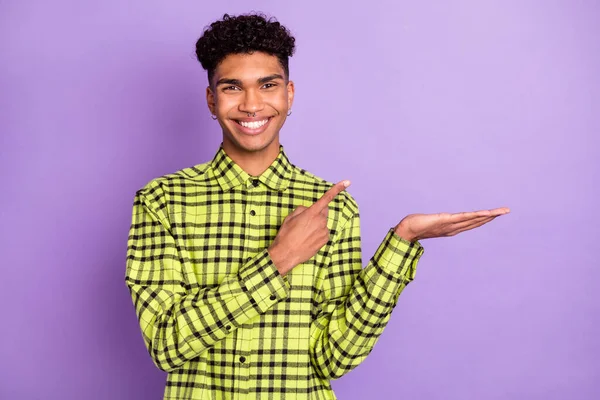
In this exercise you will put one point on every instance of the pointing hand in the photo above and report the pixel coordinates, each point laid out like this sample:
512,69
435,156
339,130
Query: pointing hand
303,232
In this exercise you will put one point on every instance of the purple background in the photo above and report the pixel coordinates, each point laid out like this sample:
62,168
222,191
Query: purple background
426,106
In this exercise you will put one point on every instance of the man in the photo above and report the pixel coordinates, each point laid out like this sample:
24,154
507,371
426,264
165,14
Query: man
246,271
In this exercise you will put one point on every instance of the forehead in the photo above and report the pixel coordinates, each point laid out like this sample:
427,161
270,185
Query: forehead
248,66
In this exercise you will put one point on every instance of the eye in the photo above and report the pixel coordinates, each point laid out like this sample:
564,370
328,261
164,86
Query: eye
269,85
232,87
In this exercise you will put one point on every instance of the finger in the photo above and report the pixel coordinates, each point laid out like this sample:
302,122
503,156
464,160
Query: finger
325,211
467,216
472,225
500,211
329,195
462,224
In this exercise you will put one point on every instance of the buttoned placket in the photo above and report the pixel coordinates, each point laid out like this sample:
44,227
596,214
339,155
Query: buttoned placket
254,219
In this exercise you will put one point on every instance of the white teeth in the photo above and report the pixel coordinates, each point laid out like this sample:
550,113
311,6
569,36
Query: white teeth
253,124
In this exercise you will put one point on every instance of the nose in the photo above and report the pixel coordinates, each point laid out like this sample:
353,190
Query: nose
252,102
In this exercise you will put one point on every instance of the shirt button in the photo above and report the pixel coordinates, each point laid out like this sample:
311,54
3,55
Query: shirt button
256,182
242,359
248,259
253,213
228,327
273,297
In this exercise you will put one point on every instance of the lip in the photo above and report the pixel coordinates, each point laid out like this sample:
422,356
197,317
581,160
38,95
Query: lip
250,131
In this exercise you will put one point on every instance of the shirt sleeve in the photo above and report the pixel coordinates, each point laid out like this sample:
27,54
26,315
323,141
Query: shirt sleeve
179,321
357,303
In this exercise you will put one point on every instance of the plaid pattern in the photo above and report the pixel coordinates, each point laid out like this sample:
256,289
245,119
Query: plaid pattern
214,311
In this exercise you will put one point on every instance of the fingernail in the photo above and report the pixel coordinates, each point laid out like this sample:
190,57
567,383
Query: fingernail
346,183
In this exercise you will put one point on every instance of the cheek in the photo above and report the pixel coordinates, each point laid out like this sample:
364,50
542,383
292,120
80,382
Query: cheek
280,101
225,103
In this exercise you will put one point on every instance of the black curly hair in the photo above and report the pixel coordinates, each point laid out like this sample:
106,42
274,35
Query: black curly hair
245,33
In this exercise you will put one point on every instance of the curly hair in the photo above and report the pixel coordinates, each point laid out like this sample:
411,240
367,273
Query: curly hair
244,34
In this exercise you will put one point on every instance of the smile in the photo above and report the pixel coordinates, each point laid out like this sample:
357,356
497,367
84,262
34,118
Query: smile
253,124
253,127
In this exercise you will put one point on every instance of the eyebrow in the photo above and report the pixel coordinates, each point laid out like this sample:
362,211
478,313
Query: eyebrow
237,82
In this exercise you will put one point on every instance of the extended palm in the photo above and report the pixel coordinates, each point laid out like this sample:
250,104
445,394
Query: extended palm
425,226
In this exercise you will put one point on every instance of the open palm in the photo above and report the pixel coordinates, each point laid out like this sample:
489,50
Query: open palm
425,226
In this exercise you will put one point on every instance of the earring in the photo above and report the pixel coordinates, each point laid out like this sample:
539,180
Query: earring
289,113
214,117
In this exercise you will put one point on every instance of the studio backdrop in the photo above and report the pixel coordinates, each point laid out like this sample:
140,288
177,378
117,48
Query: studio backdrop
427,106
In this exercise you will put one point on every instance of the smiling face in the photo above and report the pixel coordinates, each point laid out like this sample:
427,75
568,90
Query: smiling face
255,85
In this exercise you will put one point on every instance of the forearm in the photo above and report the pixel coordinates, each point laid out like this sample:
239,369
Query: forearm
178,319
348,328
184,326
345,333
178,326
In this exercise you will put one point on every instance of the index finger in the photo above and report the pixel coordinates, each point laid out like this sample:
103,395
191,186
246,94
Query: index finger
329,195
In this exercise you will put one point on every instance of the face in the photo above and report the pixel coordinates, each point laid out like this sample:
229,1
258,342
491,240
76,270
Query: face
248,84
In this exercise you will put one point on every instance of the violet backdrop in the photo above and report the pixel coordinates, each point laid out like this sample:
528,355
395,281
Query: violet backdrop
426,106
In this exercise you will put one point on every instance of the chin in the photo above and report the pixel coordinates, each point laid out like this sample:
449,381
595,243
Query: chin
250,144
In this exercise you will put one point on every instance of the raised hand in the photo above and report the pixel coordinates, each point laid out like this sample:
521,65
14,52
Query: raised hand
303,232
424,226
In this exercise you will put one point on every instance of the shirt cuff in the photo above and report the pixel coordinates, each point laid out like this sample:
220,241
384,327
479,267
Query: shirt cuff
263,281
397,258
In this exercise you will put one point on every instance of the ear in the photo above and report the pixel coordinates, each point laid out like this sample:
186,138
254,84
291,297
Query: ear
290,93
210,101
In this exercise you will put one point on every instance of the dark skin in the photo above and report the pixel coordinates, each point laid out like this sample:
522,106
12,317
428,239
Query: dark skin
256,84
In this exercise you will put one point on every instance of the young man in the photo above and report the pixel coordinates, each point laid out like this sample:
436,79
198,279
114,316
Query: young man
246,271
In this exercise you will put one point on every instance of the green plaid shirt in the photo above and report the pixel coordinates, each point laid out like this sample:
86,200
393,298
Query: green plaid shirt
214,311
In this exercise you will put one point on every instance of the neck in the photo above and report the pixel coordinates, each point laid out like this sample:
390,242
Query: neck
254,163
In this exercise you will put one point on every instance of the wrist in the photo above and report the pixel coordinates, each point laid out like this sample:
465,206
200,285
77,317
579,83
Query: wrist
405,233
280,260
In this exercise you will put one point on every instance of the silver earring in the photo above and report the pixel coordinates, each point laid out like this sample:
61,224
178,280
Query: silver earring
289,113
214,117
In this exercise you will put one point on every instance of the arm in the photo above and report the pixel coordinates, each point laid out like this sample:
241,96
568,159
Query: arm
179,321
357,303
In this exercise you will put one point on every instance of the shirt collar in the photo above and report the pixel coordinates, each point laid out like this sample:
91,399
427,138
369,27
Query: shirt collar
230,175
